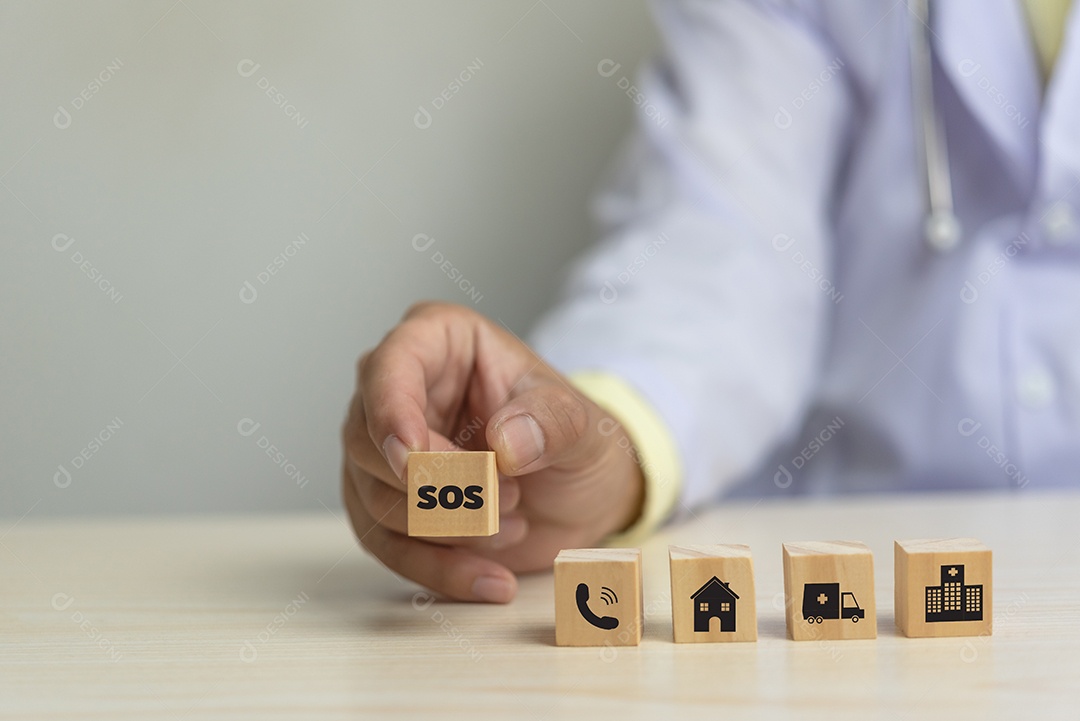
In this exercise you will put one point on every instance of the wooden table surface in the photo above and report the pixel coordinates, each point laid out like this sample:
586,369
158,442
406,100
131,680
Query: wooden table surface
285,617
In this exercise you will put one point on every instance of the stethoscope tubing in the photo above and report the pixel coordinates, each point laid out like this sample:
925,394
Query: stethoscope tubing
942,228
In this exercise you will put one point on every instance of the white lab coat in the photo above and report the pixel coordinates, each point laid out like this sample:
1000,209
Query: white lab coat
763,279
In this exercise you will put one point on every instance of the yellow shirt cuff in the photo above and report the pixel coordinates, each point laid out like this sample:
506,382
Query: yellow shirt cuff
656,452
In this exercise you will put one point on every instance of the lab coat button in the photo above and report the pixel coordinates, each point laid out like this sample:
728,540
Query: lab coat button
1059,224
1035,390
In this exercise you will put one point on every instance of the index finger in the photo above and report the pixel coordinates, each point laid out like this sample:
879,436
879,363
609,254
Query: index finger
395,380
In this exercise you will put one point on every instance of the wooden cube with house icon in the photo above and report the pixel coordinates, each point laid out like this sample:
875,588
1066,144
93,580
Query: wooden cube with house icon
829,590
943,587
598,597
712,593
452,493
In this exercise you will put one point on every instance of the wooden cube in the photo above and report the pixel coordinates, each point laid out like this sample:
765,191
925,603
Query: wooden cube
453,493
712,593
829,590
598,597
943,587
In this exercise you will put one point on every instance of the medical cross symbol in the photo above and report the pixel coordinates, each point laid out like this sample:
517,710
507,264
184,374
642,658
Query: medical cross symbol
822,598
952,571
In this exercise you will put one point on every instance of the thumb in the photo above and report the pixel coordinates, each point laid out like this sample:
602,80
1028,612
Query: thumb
545,426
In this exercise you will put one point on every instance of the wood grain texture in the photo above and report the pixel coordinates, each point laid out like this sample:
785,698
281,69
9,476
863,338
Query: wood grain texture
924,571
821,579
693,569
280,617
460,478
613,579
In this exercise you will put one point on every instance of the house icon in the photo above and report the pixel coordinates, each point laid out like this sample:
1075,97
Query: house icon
714,600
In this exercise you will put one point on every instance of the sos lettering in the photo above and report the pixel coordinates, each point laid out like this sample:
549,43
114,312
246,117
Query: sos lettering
450,497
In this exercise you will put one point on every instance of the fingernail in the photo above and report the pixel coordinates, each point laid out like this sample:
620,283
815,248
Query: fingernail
396,454
522,440
494,589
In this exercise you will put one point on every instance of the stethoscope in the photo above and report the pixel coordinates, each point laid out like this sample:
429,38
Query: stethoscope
941,228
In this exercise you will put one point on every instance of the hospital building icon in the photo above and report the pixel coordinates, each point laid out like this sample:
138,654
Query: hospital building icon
953,600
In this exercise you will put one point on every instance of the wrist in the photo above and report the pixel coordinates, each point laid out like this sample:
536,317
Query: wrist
638,435
627,481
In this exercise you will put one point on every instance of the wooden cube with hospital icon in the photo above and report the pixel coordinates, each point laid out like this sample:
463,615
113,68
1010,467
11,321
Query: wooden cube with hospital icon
942,587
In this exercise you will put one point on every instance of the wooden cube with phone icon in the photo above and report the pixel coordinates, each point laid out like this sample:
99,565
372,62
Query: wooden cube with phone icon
598,597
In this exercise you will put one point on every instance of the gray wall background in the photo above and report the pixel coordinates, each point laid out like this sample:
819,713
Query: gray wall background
147,176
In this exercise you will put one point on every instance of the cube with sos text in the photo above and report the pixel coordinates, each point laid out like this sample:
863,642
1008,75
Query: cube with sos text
453,493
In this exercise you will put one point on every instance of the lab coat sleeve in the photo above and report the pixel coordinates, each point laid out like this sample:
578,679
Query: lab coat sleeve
710,290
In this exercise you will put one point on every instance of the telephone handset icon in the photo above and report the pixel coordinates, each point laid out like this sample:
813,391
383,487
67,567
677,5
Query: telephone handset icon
608,596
